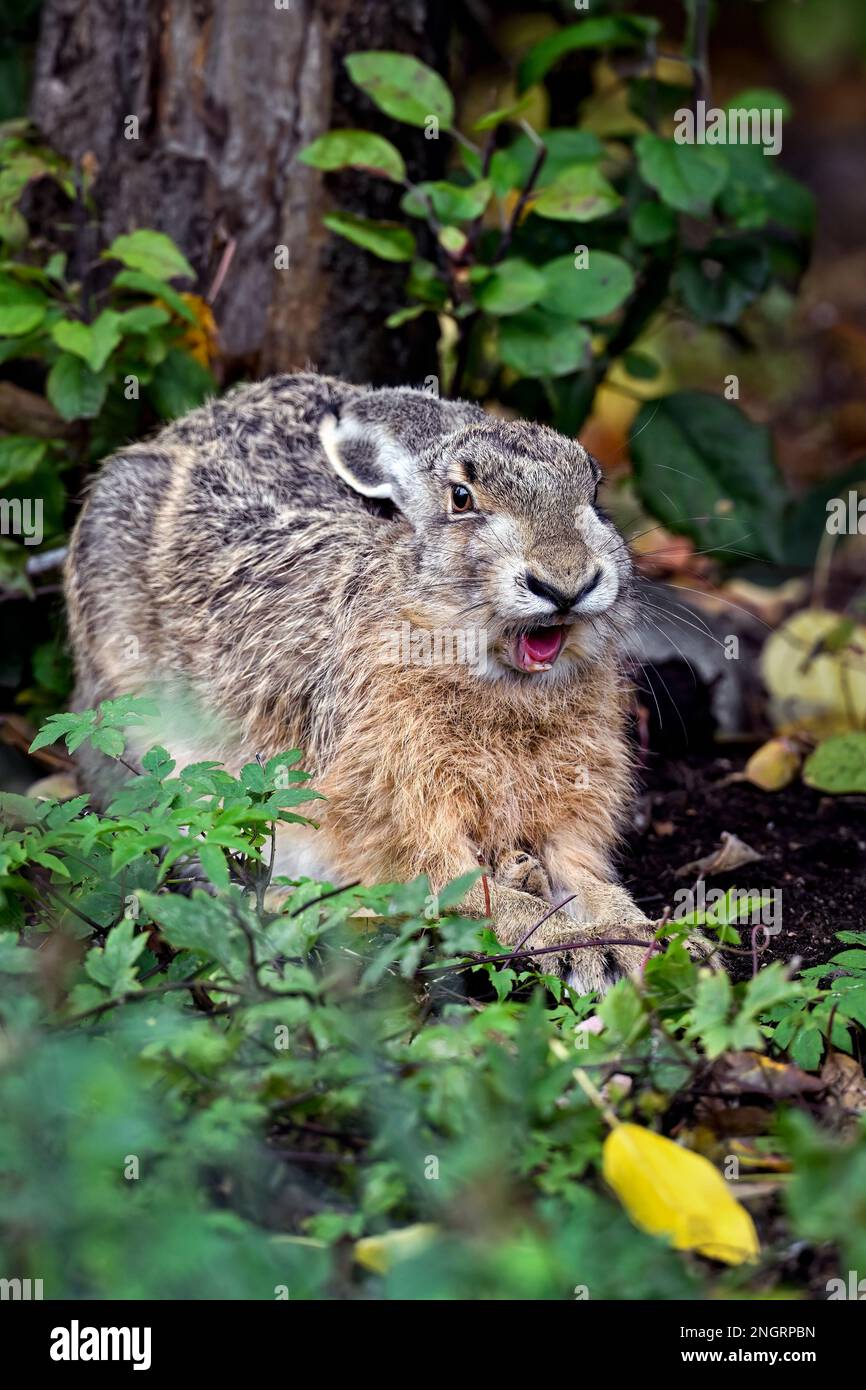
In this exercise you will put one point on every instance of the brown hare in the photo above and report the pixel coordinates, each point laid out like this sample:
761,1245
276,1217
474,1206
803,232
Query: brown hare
424,598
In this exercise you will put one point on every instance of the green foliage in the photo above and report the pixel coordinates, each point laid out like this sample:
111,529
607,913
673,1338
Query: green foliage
705,469
554,251
210,1089
96,341
838,764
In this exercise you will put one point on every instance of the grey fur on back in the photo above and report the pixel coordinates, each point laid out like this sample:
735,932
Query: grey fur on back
190,543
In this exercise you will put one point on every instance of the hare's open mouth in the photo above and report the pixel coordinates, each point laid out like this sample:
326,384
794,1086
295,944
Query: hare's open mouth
538,648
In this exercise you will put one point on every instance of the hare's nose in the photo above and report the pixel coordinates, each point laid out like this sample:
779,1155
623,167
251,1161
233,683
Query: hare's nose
561,601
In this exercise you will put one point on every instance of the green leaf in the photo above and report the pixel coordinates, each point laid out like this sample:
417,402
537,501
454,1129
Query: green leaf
707,472
22,307
453,239
109,741
652,223
402,87
93,342
143,318
579,194
388,240
709,1018
179,384
76,392
151,284
15,960
501,115
806,515
151,252
603,31
586,292
807,1048
201,924
564,148
717,283
20,456
513,285
59,726
760,99
401,316
112,965
536,345
355,149
687,177
424,282
451,202
838,764
213,861
851,1003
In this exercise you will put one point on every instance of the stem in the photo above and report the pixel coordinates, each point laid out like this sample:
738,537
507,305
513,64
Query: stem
540,156
532,930
697,43
592,1093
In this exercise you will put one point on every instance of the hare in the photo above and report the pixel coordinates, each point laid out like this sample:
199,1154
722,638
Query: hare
424,598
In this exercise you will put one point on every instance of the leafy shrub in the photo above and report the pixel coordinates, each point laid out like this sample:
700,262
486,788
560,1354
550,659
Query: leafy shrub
211,1093
96,343
552,256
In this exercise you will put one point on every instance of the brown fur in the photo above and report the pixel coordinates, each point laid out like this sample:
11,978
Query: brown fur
229,568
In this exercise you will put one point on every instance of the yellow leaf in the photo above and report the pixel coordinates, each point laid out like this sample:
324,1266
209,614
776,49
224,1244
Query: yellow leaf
815,671
774,765
378,1253
200,339
669,1191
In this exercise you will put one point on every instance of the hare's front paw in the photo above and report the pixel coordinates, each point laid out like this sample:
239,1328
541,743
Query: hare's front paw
622,950
599,967
523,872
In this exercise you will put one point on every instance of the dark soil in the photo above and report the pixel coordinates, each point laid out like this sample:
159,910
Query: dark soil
812,847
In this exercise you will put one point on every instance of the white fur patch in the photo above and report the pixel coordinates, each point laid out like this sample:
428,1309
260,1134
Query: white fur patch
393,461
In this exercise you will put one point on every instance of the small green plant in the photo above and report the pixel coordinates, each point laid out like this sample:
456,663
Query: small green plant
216,1085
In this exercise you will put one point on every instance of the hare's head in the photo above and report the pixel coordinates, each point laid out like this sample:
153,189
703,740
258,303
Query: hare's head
506,536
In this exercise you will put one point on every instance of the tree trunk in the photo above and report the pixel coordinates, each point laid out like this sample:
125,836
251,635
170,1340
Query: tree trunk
226,93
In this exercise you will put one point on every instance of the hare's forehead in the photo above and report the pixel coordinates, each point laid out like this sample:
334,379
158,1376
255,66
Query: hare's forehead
526,482
521,460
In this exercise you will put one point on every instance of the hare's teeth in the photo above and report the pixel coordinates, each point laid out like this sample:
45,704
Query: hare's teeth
538,649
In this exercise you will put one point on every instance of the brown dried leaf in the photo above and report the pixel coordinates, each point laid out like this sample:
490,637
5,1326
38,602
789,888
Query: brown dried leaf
731,854
739,1073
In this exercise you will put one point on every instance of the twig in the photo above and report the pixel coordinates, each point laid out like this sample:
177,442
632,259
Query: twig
698,44
532,930
540,156
331,893
222,269
474,959
134,996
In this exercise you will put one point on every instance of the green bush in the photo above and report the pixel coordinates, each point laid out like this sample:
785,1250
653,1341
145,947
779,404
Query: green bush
552,255
210,1093
97,346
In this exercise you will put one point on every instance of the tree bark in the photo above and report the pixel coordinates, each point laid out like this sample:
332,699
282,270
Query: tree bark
226,93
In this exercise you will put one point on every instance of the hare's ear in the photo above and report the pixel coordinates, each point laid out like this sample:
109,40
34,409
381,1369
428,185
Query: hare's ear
376,444
365,454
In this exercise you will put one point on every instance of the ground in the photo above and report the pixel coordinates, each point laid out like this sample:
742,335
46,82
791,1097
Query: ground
812,847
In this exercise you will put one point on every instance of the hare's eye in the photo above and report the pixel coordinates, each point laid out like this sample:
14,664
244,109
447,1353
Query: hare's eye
461,499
